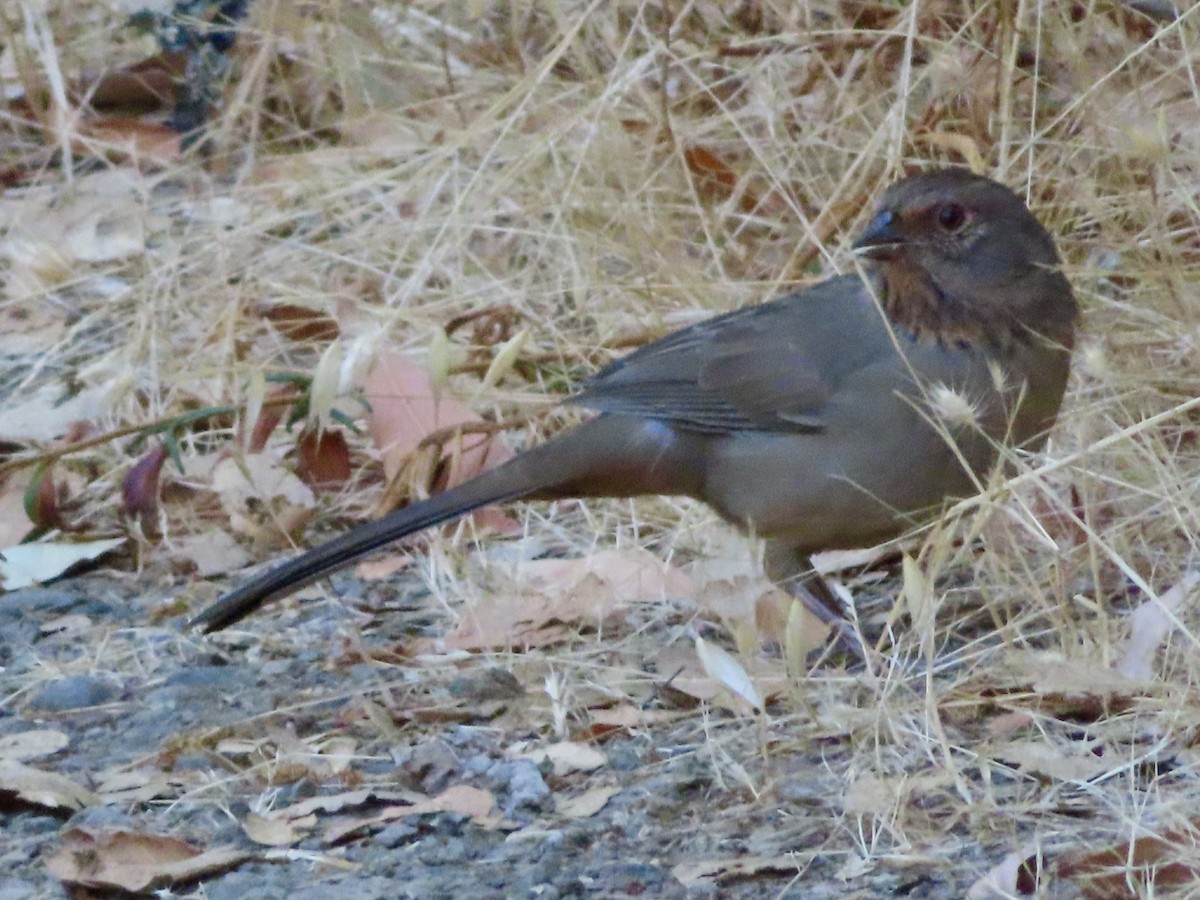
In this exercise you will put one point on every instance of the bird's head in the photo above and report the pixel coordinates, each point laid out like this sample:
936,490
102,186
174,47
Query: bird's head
958,252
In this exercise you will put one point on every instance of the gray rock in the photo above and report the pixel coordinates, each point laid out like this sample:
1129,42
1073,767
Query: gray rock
74,692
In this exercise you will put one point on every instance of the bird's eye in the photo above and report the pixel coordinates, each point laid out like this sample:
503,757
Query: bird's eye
951,216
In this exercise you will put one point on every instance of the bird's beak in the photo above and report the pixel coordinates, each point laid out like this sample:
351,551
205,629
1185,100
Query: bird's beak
881,238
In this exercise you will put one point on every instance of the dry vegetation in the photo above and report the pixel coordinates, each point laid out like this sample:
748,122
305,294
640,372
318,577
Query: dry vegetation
590,175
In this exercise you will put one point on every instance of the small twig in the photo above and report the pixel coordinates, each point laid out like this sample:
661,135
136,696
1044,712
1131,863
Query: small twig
452,432
151,427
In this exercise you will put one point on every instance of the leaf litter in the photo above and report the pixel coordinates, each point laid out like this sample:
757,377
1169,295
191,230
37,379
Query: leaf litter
588,177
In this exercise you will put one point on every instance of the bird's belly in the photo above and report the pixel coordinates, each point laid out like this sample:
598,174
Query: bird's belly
825,491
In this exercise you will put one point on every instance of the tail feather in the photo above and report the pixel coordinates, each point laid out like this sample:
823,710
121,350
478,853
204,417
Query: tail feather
607,456
308,567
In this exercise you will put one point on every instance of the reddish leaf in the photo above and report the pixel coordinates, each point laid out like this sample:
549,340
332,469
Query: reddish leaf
714,178
145,87
299,323
270,417
1164,861
139,487
41,500
404,412
324,459
712,174
131,138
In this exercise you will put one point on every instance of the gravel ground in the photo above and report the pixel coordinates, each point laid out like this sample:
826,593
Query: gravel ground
208,732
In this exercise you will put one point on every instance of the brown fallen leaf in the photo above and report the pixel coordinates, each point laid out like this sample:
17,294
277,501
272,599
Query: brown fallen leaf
566,757
381,568
243,486
144,87
121,786
149,144
1051,684
134,861
210,552
46,789
1069,763
301,323
324,459
713,871
14,523
139,487
554,596
1156,862
683,672
31,744
587,804
469,801
404,411
343,802
271,831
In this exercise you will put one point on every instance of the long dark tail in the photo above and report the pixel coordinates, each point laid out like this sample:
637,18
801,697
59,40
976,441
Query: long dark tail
607,456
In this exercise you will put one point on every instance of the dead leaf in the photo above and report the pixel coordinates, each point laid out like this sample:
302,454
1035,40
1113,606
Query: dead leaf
1149,626
260,477
403,412
962,144
324,459
879,796
318,756
46,789
682,671
146,86
139,487
300,323
553,595
714,179
133,786
380,568
720,665
47,413
31,744
730,588
336,803
566,757
1155,861
14,523
211,552
587,804
626,716
264,415
148,143
1017,875
134,861
469,801
1076,688
27,564
272,831
1058,763
712,871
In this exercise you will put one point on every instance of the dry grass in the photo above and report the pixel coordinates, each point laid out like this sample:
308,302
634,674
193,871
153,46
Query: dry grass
605,171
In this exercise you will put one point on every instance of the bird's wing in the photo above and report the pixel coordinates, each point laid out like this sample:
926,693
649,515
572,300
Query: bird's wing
765,368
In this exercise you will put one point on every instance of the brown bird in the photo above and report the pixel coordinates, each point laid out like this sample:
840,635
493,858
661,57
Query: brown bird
831,418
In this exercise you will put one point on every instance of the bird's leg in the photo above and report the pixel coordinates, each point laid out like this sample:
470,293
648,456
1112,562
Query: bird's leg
793,571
